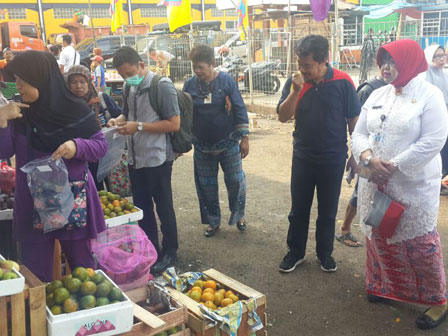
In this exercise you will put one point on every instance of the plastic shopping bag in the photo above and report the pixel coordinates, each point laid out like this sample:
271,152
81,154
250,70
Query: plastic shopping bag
115,147
52,195
7,178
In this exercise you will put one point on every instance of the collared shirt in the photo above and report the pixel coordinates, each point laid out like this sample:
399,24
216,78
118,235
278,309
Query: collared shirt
320,134
69,57
150,149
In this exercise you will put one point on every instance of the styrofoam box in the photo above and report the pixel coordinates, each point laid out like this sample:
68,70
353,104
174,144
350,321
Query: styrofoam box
6,214
13,286
112,319
125,219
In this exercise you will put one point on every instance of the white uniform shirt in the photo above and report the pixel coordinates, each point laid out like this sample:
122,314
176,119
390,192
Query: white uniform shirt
410,130
69,57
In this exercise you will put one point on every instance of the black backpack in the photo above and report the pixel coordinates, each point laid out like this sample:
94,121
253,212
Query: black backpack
180,140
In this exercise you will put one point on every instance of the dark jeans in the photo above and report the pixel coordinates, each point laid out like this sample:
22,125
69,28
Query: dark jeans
150,184
305,177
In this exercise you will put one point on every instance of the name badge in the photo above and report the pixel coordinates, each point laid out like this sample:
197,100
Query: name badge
378,138
208,99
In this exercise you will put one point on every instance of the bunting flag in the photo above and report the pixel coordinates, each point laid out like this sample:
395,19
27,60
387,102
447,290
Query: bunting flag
243,18
178,13
320,9
116,12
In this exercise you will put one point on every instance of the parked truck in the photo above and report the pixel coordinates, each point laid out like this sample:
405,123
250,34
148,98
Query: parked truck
20,36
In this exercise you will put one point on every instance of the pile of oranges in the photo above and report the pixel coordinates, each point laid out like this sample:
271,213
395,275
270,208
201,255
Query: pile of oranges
206,292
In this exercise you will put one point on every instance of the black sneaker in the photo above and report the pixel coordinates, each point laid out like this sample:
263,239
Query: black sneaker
328,264
290,262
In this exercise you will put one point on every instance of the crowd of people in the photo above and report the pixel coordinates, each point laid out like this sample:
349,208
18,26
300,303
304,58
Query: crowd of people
397,123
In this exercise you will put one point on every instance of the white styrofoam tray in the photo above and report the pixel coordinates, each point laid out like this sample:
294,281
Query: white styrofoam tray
125,219
112,319
6,214
13,286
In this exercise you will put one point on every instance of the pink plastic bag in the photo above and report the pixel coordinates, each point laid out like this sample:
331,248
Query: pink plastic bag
125,254
7,178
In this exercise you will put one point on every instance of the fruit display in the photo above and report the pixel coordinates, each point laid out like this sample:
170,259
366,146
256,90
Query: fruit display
6,270
6,201
83,289
211,294
114,205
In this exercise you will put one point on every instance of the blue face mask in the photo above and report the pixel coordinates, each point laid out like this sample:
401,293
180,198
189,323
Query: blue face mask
134,80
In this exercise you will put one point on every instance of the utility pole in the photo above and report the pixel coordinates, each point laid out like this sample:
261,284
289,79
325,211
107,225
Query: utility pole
41,21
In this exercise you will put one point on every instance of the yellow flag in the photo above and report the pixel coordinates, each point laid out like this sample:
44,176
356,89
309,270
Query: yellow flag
116,11
243,18
178,12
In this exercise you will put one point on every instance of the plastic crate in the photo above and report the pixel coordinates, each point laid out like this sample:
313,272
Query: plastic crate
10,91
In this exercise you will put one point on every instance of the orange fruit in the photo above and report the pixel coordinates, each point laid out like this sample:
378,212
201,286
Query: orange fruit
233,297
210,284
90,272
208,290
218,298
199,283
208,297
228,293
197,289
196,296
222,291
210,305
116,203
225,302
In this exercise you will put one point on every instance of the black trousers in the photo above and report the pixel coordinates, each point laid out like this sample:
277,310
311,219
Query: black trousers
306,177
150,184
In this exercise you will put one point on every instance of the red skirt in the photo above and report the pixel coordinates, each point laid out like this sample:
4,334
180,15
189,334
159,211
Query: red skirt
410,271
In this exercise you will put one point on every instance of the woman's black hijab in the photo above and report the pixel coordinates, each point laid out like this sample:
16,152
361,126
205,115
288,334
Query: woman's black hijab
58,115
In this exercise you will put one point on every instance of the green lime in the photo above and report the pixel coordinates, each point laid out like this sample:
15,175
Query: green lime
87,302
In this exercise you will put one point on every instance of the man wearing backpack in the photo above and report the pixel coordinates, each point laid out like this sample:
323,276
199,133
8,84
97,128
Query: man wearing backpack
151,153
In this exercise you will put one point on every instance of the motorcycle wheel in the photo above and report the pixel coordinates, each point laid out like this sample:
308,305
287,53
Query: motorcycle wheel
274,85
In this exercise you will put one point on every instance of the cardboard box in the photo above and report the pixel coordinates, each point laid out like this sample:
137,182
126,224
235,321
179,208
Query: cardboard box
125,219
111,319
13,286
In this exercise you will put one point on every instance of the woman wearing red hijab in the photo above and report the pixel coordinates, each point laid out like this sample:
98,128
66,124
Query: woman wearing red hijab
398,137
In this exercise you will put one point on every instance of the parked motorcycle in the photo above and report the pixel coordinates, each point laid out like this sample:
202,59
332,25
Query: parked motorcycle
264,78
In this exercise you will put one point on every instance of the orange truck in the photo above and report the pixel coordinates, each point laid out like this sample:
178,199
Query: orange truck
20,36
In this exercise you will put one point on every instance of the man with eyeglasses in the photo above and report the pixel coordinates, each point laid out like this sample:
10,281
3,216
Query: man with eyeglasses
324,103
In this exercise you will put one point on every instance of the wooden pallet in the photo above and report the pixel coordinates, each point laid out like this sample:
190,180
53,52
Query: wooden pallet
200,325
24,313
150,324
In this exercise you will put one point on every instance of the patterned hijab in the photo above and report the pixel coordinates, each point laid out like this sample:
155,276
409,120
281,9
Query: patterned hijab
91,98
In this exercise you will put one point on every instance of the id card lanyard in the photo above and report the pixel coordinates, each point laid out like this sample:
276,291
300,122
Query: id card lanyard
379,136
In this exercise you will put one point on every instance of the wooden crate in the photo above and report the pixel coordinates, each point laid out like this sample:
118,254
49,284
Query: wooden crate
24,313
150,324
200,326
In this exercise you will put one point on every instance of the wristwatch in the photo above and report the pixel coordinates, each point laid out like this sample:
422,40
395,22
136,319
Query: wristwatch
366,161
140,126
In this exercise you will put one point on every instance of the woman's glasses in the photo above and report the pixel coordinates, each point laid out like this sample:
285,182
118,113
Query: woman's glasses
439,56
